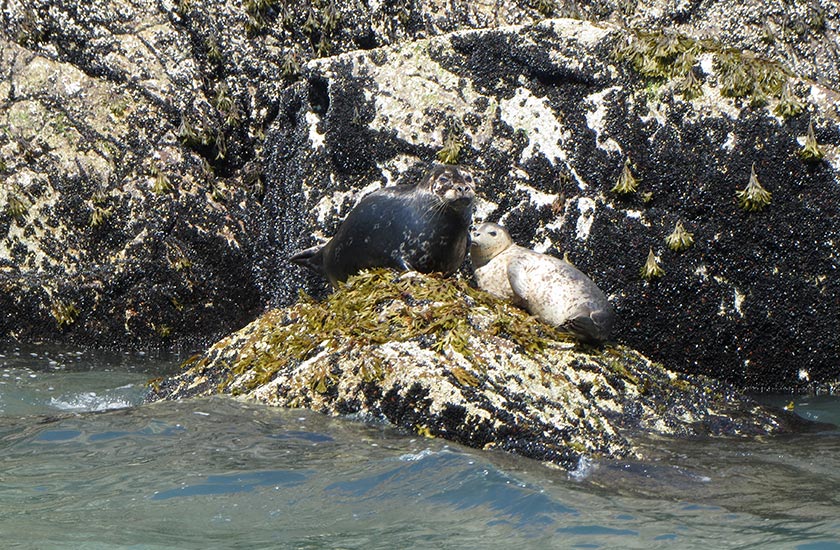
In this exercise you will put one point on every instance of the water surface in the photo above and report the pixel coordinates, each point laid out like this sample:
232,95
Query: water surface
85,465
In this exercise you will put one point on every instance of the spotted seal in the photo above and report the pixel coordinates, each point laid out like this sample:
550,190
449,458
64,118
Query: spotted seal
548,288
422,227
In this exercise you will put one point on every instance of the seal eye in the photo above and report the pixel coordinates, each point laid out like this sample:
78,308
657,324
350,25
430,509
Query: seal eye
443,179
492,233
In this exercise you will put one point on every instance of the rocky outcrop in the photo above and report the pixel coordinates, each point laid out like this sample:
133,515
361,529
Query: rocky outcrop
441,359
161,161
551,122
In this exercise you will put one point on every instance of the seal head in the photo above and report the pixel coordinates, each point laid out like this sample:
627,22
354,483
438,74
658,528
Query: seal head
549,288
422,227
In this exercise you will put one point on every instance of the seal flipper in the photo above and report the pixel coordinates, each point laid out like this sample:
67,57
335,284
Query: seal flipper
312,258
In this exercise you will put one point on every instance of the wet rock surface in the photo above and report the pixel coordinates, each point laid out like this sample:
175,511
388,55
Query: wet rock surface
439,358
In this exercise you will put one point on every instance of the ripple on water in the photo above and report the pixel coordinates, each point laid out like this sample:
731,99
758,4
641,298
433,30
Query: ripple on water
219,473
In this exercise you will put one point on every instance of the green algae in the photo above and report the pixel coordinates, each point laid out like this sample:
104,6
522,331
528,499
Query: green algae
753,197
627,183
378,307
451,150
679,239
664,55
811,151
64,313
651,268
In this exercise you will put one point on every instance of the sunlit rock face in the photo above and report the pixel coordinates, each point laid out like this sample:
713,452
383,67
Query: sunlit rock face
161,162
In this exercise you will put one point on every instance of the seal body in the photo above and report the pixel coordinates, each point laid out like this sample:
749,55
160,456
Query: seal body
549,288
422,227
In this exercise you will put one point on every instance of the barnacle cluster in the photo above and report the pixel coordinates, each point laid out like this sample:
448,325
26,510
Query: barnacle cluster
753,197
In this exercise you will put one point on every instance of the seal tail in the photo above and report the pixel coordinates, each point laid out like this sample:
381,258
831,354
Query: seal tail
312,258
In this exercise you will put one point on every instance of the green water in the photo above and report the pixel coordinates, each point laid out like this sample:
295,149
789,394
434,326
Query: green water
84,465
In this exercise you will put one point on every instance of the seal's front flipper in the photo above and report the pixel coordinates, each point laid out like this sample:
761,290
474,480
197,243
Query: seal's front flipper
311,258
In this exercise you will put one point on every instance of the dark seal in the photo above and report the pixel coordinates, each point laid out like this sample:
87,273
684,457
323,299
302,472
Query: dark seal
422,227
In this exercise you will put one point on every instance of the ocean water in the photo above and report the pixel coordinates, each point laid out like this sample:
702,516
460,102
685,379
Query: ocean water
83,464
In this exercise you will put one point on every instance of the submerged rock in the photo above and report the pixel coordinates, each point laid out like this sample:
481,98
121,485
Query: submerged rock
441,359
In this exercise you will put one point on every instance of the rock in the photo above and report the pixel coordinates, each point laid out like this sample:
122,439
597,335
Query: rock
441,359
549,119
162,160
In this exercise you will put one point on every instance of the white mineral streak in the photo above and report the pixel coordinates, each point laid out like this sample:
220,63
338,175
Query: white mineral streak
527,113
415,92
316,138
537,197
577,30
596,118
483,208
638,215
738,301
586,207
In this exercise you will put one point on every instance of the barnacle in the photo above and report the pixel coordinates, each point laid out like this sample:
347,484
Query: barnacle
651,268
626,183
811,151
679,239
754,197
